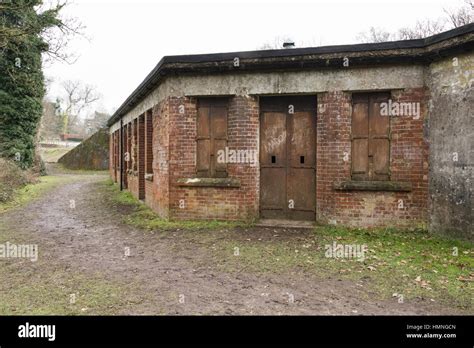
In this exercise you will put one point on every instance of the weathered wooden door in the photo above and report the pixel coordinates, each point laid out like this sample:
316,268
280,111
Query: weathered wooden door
288,158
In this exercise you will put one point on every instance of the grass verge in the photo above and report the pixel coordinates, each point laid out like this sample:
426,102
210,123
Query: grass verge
30,192
52,154
59,292
401,263
59,168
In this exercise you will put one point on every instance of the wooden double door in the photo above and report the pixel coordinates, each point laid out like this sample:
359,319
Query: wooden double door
288,157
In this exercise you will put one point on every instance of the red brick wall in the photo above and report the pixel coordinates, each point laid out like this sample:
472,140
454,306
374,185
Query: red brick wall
408,162
132,177
133,185
213,202
174,149
332,140
410,155
157,191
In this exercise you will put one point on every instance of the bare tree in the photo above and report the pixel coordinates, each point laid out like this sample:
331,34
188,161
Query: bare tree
78,96
423,28
374,35
462,16
50,124
58,37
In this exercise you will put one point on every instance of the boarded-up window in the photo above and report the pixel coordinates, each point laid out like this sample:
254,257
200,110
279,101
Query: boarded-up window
370,137
211,137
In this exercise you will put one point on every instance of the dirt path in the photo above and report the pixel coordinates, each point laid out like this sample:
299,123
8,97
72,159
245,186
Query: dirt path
77,229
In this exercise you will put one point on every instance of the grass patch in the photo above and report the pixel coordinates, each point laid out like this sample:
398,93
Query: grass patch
39,292
141,216
45,287
409,263
52,154
59,168
412,263
30,192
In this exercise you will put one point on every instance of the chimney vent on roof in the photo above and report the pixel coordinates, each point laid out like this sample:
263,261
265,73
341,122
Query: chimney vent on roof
289,44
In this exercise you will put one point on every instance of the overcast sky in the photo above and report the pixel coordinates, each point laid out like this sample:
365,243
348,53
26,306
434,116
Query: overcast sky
128,38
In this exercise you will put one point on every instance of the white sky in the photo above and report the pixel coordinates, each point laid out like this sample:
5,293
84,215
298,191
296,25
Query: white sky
128,38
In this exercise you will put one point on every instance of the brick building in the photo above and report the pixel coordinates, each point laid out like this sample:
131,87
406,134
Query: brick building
337,134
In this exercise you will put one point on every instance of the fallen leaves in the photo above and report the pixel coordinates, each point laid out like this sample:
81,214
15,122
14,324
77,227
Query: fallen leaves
466,279
423,283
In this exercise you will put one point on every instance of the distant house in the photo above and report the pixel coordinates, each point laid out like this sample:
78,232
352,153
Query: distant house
362,135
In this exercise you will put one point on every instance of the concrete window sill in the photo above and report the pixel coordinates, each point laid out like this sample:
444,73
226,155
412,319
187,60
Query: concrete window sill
208,182
149,177
395,186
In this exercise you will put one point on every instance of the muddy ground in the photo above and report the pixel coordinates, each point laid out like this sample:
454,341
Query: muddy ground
176,272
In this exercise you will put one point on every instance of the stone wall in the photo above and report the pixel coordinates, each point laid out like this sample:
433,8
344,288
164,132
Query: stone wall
91,154
451,137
